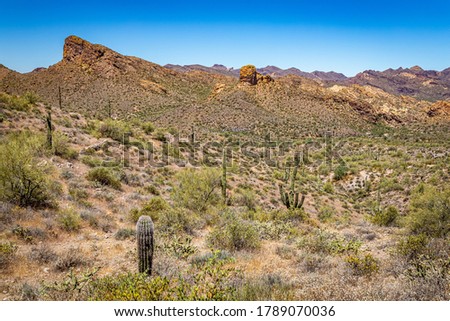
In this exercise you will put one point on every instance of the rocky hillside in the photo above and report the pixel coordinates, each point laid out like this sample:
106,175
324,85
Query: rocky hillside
98,81
422,84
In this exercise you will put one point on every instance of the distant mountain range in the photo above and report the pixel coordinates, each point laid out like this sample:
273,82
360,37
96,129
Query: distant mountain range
422,84
289,102
268,70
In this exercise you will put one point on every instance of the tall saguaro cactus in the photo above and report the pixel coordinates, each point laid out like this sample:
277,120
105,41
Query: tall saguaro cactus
145,242
291,198
48,121
224,175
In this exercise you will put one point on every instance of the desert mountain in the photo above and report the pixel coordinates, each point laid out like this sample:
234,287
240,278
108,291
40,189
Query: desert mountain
94,79
272,71
422,84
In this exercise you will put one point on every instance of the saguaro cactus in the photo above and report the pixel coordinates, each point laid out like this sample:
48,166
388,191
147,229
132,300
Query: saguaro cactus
291,198
144,235
224,175
48,121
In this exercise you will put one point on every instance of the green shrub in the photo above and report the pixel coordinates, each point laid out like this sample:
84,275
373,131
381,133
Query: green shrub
328,187
363,265
24,180
61,147
211,280
176,220
21,103
429,211
235,235
196,189
247,198
325,213
412,246
322,241
104,176
386,217
69,220
152,189
160,134
340,172
153,208
114,129
148,128
7,253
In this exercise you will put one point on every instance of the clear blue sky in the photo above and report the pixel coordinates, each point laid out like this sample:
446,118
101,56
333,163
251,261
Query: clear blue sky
344,36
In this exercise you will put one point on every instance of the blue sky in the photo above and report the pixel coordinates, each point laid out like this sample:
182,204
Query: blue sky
344,36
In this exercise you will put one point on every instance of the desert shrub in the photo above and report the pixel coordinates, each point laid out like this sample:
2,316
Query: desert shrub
61,147
152,208
23,233
363,264
328,187
42,254
210,280
104,176
124,233
412,246
275,230
429,211
152,189
31,97
7,253
392,184
179,246
114,129
385,217
325,213
72,258
91,161
160,134
265,288
69,220
21,103
196,189
148,128
247,198
176,220
235,235
23,179
29,292
78,194
322,241
340,172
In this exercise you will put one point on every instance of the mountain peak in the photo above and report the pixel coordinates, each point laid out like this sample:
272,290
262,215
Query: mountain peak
79,50
416,68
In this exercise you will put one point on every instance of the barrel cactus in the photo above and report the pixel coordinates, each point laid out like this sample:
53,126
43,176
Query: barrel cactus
144,235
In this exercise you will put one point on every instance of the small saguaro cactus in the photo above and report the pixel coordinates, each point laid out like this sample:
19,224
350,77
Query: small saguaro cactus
291,198
144,235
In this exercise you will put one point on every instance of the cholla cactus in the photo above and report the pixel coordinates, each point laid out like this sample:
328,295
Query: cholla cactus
144,235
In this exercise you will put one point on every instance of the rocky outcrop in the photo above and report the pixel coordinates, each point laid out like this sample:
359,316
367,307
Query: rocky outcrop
439,108
249,75
93,57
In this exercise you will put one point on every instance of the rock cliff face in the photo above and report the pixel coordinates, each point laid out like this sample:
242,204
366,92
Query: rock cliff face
439,108
248,74
93,57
